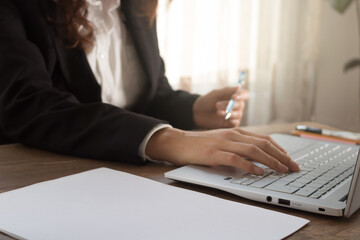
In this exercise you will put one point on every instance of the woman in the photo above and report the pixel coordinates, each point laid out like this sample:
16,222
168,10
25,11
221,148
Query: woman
85,78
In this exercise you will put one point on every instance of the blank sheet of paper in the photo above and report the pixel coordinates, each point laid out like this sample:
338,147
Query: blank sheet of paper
107,204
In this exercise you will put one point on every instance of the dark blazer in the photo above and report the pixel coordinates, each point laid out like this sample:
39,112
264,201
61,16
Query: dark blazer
50,99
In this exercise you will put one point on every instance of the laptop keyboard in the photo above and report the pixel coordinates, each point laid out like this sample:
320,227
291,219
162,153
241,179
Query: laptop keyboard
322,168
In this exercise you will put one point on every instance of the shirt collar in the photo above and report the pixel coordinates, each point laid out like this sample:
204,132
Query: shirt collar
110,4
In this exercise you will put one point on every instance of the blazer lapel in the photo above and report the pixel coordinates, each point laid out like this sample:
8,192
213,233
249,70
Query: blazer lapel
145,41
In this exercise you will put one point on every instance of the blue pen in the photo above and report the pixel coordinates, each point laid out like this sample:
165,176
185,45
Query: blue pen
230,105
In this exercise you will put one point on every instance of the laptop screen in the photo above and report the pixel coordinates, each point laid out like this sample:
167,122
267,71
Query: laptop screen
353,201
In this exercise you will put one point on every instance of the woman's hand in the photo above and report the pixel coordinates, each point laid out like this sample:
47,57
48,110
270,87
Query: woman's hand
209,109
229,147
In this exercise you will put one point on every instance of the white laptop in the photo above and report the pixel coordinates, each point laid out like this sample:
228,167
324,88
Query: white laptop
328,182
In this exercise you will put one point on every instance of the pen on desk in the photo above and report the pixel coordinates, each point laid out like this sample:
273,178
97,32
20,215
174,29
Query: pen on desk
331,133
231,103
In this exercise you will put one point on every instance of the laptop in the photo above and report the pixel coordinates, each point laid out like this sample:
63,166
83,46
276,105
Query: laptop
328,182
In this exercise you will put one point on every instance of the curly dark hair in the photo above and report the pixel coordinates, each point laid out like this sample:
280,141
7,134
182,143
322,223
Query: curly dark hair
74,15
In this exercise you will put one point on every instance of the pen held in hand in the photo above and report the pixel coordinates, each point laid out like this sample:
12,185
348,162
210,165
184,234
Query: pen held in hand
231,103
229,109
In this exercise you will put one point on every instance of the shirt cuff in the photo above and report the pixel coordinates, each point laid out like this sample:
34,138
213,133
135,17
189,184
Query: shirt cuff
143,144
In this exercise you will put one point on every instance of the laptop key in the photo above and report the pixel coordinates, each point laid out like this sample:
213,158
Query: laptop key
297,184
284,189
311,165
306,191
309,176
316,195
315,185
263,182
303,180
319,181
293,175
250,181
324,178
277,175
240,180
306,168
290,177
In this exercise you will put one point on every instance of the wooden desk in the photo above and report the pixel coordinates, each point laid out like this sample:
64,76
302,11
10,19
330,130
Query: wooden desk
21,166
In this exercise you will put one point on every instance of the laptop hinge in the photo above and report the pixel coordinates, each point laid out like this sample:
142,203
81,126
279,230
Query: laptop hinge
344,198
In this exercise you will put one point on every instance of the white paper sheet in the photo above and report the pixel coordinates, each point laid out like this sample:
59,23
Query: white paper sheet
105,204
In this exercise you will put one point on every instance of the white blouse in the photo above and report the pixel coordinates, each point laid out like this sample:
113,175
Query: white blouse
114,61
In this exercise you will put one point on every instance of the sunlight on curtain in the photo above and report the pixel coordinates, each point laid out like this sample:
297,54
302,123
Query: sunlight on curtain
206,43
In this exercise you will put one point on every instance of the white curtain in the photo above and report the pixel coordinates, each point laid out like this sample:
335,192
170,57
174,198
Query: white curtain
206,43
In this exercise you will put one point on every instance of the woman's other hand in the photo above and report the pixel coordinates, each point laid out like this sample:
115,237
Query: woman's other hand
209,109
229,147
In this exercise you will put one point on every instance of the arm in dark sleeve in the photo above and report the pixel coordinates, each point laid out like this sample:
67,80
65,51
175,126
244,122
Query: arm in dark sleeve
35,113
176,107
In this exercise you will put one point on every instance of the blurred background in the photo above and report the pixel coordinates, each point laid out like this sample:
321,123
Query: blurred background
294,52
